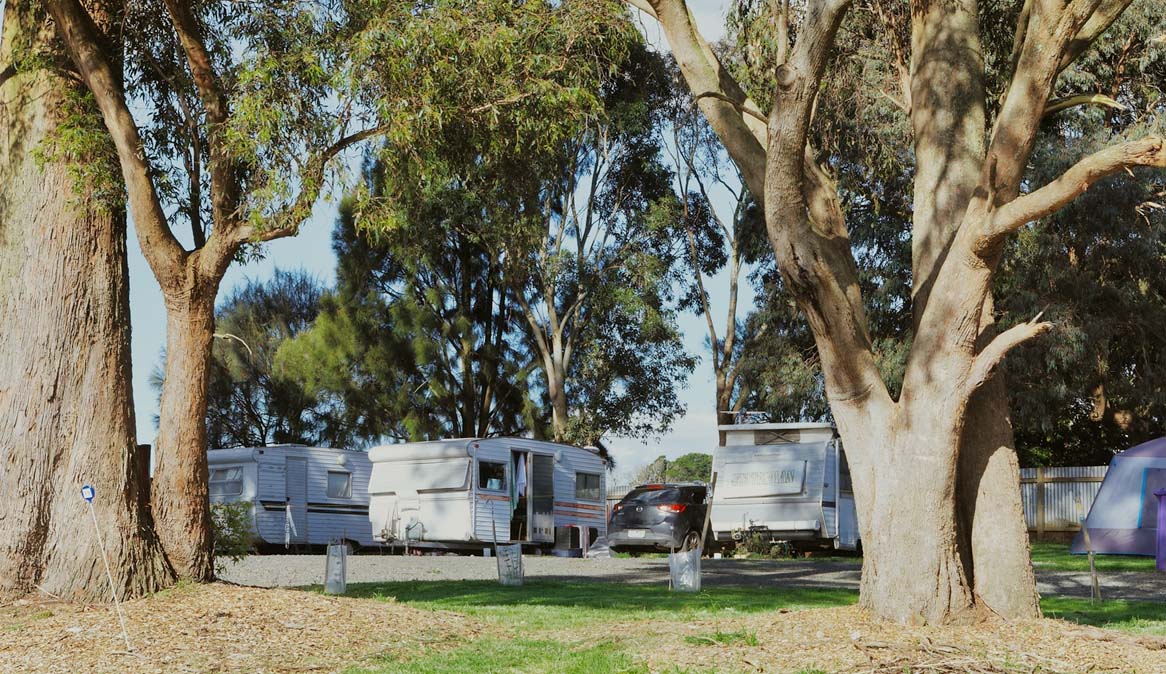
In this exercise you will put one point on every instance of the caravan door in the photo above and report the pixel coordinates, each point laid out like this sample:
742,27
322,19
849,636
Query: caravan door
542,498
296,481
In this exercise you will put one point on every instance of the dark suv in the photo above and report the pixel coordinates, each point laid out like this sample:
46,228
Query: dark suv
658,517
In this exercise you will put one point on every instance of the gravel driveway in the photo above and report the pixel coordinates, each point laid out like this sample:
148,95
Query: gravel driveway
292,570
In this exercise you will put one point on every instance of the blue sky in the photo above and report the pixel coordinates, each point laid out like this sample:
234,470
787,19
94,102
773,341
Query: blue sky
312,250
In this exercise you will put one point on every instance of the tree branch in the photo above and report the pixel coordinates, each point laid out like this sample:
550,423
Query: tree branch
80,35
1102,18
993,354
1149,151
224,242
1049,32
8,73
742,106
225,197
227,335
198,59
743,136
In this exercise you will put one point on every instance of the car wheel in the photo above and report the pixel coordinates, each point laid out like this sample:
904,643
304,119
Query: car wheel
691,542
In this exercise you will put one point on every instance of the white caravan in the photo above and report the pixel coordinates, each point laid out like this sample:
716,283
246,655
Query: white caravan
299,495
466,492
788,483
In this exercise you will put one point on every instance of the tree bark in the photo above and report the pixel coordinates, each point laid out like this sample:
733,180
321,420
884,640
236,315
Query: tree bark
948,123
65,399
904,485
993,533
180,499
557,392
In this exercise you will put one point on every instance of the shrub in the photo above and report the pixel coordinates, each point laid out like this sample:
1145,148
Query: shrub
233,536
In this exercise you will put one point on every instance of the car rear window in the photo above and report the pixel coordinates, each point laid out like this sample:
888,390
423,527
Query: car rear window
667,495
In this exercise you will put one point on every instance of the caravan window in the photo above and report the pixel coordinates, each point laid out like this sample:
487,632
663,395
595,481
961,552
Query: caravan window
491,475
587,486
226,481
339,484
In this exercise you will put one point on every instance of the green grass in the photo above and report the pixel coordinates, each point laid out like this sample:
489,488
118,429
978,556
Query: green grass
1138,617
542,614
719,638
1056,557
533,623
545,604
518,655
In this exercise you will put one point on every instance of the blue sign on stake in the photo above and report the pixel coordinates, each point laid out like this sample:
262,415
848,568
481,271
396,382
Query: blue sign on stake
87,493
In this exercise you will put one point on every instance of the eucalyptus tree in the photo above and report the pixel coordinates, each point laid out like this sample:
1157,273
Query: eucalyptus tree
594,275
67,405
1095,268
935,477
576,208
418,340
250,106
1092,388
721,226
251,404
237,145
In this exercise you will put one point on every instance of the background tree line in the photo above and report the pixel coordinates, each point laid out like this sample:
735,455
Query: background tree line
1094,390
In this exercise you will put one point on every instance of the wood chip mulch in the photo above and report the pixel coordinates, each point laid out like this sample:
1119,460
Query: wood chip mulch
227,628
222,628
848,640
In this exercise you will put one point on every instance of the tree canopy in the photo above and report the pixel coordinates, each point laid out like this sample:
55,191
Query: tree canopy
250,403
1090,389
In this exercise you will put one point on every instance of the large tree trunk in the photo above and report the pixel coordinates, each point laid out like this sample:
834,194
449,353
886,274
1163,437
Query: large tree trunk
994,535
181,505
905,491
948,119
65,400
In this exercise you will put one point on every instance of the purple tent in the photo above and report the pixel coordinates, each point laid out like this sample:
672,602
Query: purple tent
1124,517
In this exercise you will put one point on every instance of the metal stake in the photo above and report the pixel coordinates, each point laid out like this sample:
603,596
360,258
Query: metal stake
87,493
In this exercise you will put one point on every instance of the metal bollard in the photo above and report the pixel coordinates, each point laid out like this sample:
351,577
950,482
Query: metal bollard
336,569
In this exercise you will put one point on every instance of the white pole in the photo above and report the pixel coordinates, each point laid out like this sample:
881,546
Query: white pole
109,575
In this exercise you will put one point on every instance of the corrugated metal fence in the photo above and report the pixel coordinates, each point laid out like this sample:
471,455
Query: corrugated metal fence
1057,499
615,494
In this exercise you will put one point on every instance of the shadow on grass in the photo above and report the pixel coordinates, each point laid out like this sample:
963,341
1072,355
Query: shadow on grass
485,594
516,655
1131,616
1056,557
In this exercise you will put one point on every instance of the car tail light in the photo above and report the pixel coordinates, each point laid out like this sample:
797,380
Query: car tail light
616,508
671,508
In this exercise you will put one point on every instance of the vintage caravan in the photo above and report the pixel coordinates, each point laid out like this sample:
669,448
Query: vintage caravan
299,495
788,483
463,493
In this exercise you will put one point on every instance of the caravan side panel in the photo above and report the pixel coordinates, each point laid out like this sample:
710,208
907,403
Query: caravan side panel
492,515
769,488
331,519
272,497
573,507
491,511
422,492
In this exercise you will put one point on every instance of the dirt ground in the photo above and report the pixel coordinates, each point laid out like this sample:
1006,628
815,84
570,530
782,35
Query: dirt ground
847,640
221,627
